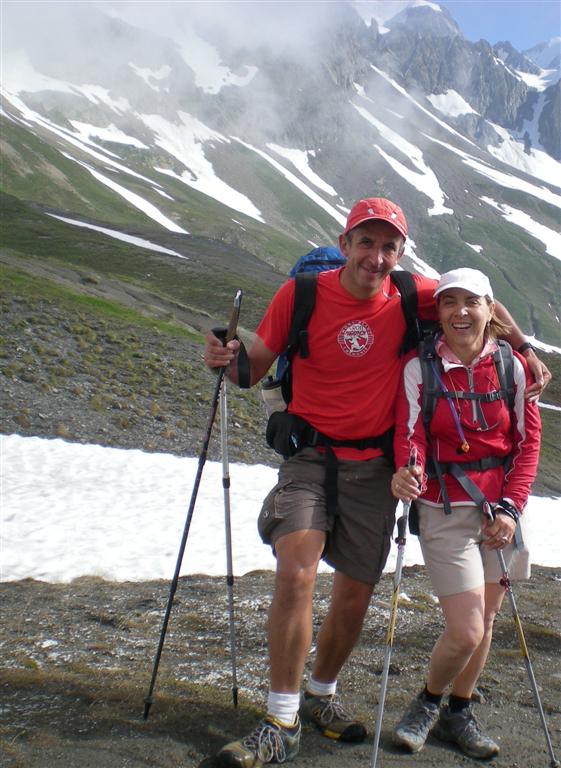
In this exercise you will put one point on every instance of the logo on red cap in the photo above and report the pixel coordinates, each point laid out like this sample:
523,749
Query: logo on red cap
376,208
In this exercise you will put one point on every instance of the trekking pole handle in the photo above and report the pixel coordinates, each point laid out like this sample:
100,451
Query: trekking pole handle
401,528
412,458
403,520
233,324
488,511
226,334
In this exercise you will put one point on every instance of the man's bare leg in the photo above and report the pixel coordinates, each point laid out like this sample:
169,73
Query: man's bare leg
341,627
290,616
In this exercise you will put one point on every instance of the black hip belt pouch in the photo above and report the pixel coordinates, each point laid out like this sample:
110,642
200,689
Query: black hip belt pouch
287,433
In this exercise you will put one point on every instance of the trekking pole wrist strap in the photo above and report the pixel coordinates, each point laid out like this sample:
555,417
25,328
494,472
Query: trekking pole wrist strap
242,358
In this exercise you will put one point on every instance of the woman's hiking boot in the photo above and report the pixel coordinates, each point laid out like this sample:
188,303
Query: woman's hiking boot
330,717
414,727
269,742
462,728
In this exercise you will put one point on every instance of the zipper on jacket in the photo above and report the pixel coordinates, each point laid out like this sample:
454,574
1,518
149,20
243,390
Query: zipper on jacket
472,389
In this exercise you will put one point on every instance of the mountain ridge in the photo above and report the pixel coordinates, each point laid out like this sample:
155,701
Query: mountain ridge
266,148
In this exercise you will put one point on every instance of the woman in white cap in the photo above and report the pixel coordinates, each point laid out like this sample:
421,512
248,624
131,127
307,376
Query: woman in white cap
494,441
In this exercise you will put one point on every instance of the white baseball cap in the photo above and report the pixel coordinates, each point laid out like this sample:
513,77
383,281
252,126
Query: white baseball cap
471,280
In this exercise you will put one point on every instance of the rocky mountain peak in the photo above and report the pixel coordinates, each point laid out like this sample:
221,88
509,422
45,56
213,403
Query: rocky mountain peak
426,18
546,55
507,53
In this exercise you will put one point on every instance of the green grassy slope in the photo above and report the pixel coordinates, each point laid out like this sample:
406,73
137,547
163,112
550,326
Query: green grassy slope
92,370
205,281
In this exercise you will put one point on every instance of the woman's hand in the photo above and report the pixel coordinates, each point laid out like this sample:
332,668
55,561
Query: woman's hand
499,532
406,483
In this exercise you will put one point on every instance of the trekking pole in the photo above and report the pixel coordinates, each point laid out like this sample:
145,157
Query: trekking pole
230,333
400,540
228,529
505,582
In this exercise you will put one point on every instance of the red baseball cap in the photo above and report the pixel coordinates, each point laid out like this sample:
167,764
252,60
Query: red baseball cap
376,208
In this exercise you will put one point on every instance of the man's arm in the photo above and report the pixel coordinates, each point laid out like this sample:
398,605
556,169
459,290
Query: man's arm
216,355
540,372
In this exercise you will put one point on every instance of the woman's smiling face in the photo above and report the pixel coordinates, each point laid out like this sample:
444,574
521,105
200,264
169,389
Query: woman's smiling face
464,318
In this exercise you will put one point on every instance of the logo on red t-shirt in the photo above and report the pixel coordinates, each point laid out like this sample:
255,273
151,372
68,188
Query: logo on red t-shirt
355,338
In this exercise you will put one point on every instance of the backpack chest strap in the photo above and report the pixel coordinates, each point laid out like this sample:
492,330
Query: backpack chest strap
480,465
482,397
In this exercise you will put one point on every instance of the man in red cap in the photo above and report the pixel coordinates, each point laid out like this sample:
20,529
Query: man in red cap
343,390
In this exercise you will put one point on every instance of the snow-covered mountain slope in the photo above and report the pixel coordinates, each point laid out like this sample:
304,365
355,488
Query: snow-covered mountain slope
177,123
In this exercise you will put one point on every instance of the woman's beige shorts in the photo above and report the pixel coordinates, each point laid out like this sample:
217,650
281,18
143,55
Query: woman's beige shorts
455,557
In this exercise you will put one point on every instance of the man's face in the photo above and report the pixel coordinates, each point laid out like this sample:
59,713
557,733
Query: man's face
374,249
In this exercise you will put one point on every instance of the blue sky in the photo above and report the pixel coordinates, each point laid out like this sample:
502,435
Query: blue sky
524,23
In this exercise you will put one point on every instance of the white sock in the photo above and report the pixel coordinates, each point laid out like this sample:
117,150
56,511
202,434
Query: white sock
321,689
283,707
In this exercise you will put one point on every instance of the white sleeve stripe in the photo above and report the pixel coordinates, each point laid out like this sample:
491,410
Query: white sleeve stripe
519,410
519,400
413,379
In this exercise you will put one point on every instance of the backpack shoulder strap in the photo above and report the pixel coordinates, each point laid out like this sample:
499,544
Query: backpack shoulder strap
431,390
504,363
405,284
304,302
305,289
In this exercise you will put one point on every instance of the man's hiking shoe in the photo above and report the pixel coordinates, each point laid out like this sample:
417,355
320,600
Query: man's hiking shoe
414,727
270,742
462,729
327,714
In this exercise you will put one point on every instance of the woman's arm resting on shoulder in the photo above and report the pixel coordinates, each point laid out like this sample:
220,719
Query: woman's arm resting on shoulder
539,371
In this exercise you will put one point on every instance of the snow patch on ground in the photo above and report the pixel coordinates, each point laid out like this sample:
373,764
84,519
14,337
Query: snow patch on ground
185,142
110,133
300,159
298,183
450,103
551,239
71,510
424,179
131,239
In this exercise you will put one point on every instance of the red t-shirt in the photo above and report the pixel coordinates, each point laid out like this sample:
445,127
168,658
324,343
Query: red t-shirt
347,386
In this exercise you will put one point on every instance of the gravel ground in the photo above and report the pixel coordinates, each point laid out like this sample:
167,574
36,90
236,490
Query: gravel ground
78,657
